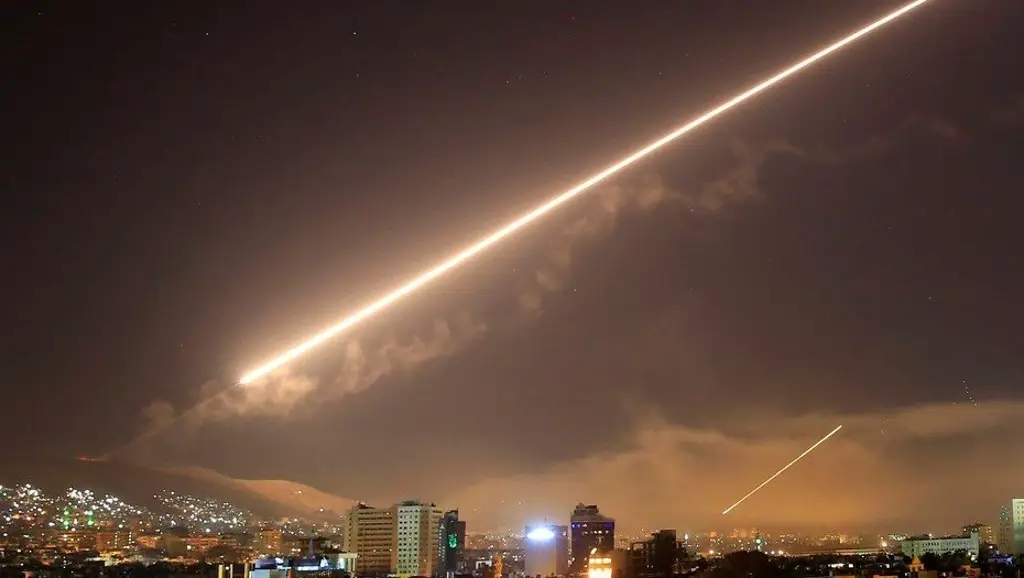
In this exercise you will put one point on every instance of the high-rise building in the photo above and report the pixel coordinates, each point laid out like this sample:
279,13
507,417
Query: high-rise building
1011,527
657,557
418,539
547,550
1004,532
451,544
589,529
370,533
984,531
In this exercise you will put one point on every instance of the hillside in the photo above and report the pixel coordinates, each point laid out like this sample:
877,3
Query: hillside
290,496
137,484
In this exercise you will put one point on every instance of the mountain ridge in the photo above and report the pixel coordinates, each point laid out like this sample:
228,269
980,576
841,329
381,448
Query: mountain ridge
136,483
304,498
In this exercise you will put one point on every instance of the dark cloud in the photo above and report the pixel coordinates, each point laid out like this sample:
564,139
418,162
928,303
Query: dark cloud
363,362
841,249
678,347
357,368
1009,114
671,475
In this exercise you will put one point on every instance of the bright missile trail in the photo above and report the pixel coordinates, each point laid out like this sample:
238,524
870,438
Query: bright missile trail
784,468
495,237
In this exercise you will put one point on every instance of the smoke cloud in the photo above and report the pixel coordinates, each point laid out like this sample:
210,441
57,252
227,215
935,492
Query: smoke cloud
598,220
363,362
360,368
641,195
361,365
861,479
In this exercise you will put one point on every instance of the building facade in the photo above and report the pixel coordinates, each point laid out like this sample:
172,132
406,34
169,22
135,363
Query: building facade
984,531
658,556
451,544
546,551
269,542
589,530
1011,527
916,547
371,533
114,541
418,539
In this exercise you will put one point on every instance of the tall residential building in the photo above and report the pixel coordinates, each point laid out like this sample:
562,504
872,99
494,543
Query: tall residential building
370,533
547,551
1004,530
588,529
451,544
1011,527
657,557
418,540
984,531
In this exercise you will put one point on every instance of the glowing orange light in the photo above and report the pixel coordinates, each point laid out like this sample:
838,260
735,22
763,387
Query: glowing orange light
599,567
485,243
784,468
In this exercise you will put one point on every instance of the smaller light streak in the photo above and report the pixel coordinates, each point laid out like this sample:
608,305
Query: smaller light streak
784,468
969,396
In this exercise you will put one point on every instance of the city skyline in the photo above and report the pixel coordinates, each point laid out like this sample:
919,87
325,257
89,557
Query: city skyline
206,513
77,509
413,538
195,189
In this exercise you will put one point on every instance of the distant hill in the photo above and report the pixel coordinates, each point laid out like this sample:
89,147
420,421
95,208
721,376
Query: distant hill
290,496
137,484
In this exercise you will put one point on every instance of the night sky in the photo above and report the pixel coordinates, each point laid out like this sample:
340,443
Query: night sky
193,186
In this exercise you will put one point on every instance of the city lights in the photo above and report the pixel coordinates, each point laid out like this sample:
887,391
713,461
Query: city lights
541,534
83,509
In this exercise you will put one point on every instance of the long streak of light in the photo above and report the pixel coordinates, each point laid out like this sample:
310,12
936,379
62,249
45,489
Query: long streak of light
485,243
786,467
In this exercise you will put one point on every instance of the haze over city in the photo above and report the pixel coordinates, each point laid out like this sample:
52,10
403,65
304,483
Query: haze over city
196,187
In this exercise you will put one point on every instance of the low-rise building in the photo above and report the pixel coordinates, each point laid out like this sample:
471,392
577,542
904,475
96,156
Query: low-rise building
918,546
